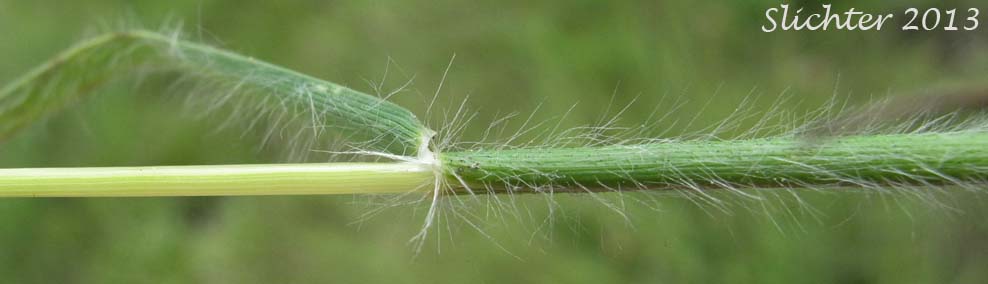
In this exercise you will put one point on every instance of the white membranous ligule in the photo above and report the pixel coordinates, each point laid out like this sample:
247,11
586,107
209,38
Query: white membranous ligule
924,155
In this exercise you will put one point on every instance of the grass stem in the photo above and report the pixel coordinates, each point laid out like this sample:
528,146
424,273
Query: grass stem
260,179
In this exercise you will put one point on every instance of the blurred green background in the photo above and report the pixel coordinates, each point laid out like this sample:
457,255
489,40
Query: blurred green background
510,57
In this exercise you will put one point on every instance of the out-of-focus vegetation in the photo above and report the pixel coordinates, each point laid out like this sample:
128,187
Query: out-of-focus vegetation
511,56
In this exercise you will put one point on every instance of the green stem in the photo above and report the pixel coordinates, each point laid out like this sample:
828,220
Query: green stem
862,161
272,179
